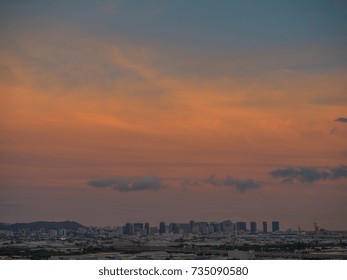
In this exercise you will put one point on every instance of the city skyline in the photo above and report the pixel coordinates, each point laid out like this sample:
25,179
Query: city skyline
162,226
133,228
193,240
118,111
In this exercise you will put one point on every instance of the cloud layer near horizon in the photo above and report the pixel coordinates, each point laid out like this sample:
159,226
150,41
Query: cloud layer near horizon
124,184
288,175
309,174
240,184
153,183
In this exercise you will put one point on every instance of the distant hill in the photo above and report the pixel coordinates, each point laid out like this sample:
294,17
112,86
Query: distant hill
68,225
4,225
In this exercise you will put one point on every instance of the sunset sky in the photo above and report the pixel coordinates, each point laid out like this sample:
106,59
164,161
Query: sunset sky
136,111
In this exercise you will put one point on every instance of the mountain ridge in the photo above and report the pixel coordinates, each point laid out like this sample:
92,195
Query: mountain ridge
47,225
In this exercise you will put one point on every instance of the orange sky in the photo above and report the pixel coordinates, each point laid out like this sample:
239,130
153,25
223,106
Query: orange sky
76,106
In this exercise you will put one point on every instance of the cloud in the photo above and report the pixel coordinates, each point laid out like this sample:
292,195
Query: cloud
153,183
147,183
339,172
341,119
241,184
213,180
124,184
308,174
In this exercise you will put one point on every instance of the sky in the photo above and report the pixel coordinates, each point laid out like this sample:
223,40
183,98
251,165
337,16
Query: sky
149,111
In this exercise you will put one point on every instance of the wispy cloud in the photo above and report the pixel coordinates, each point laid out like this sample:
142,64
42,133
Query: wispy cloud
153,183
125,184
212,180
341,119
309,174
240,184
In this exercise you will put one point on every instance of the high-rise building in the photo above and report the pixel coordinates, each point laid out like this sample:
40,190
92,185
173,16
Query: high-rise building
174,228
241,226
192,224
129,229
162,227
147,228
53,233
184,228
264,227
275,226
138,227
253,227
203,228
62,232
216,227
227,226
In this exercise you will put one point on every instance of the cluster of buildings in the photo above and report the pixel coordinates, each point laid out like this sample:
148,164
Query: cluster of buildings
203,228
193,240
143,229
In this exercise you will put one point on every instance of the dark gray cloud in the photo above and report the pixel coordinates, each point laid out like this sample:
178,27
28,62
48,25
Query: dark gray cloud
338,172
240,184
309,174
124,184
341,119
213,180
